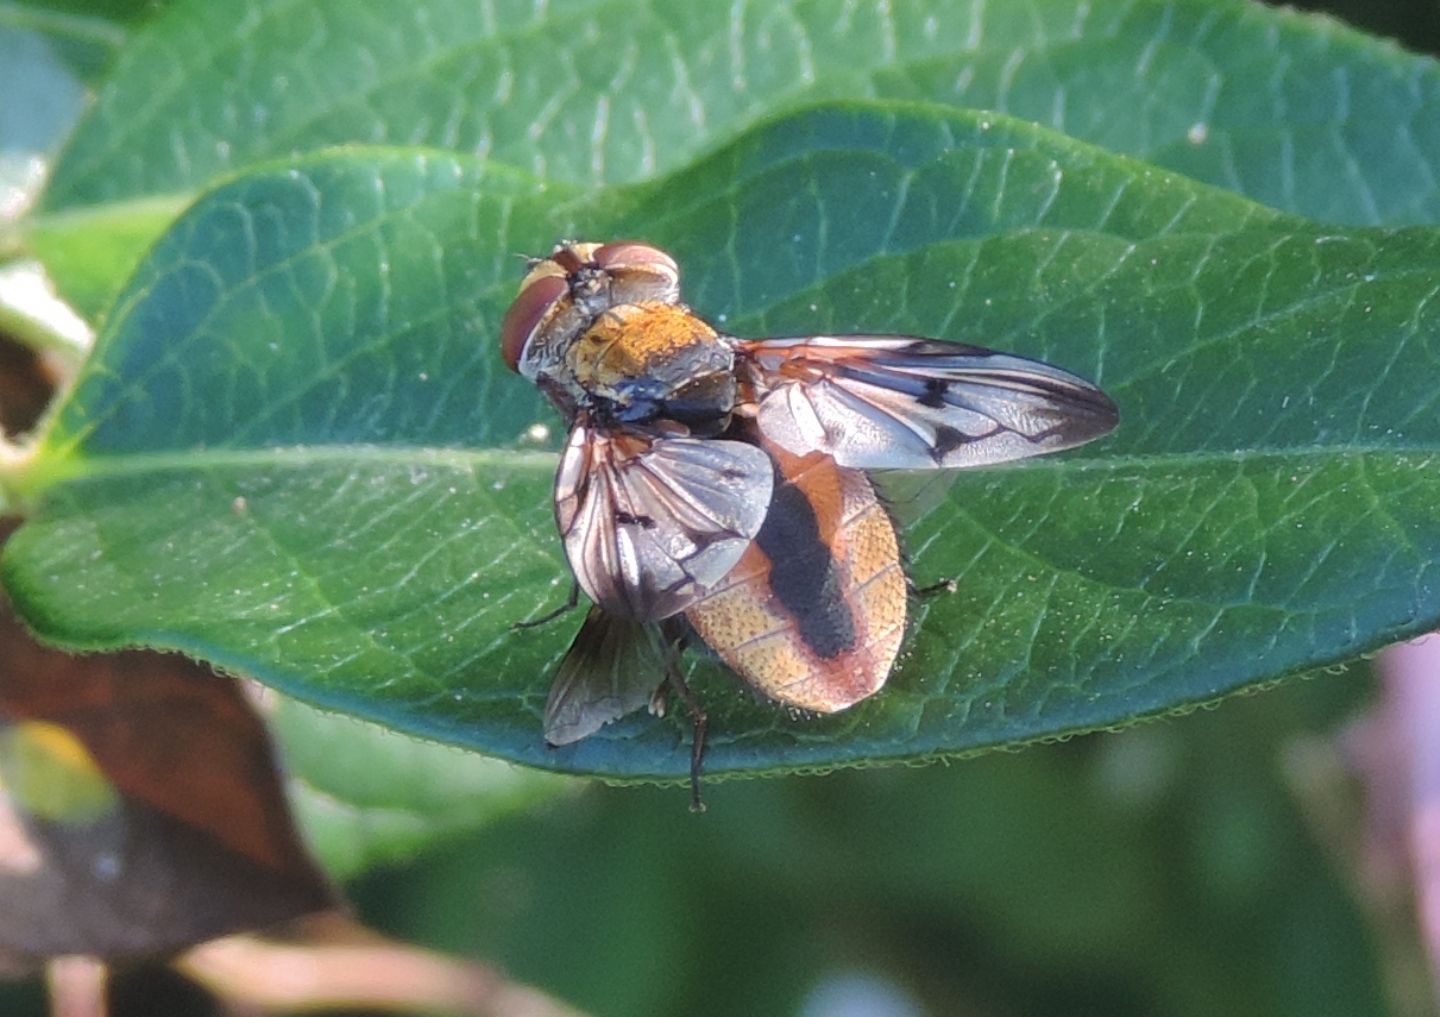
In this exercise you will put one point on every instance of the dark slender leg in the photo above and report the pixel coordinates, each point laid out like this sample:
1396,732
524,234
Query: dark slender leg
698,720
571,602
943,586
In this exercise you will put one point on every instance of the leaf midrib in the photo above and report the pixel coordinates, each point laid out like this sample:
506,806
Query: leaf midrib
95,468
80,468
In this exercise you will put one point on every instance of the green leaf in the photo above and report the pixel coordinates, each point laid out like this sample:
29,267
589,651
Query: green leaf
90,251
1292,110
295,451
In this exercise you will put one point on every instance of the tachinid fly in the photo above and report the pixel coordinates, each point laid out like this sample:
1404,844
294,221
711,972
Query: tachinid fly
716,487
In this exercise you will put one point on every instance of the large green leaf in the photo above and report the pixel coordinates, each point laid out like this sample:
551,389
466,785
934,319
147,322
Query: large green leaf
1294,111
295,451
613,90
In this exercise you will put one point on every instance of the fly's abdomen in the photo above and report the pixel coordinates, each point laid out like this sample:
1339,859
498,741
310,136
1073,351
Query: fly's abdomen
814,612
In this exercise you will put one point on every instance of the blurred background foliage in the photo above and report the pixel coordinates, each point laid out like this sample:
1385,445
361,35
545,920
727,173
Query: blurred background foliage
1207,864
1415,23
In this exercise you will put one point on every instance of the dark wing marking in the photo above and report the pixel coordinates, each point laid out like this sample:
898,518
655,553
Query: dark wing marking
891,402
613,668
649,522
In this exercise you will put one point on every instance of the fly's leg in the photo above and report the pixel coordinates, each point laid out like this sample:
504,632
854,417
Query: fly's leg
943,586
698,723
571,602
698,720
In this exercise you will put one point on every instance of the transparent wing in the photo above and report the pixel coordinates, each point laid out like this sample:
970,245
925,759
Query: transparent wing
612,669
892,402
649,522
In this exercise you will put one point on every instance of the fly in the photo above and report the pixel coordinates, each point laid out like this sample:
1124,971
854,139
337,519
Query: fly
717,487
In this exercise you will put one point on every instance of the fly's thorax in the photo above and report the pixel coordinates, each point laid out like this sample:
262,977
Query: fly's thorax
652,361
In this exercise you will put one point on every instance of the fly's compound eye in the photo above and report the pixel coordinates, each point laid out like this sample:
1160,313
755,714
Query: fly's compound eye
627,254
638,272
538,295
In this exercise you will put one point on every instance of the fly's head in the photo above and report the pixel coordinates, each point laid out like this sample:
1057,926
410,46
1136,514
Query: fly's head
600,329
562,295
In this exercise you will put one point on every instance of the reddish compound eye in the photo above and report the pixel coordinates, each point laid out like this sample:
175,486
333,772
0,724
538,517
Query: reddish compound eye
537,295
638,272
628,254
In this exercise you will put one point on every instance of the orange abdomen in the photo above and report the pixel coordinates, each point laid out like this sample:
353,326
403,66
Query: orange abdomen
814,612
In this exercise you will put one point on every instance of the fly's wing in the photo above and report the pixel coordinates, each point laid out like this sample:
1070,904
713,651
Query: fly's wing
891,402
612,669
649,522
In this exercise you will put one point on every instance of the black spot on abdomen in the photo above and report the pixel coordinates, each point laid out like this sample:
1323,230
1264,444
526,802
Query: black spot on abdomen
803,576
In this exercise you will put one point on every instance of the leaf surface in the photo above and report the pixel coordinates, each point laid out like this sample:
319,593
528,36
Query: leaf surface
296,453
1292,110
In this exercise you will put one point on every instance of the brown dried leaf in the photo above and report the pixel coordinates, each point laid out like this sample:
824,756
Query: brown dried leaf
140,810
